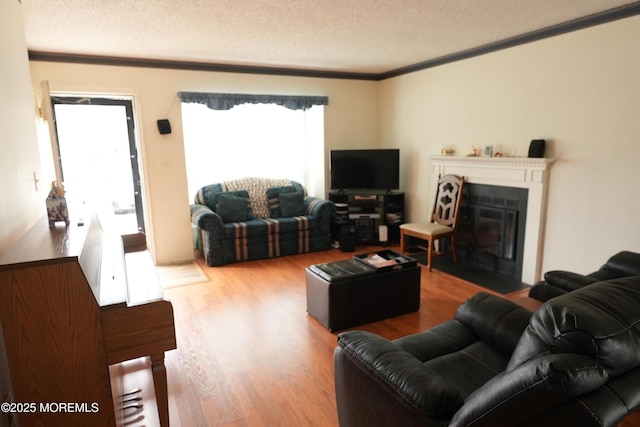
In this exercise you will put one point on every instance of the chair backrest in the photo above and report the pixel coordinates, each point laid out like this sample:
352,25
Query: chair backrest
448,198
578,348
601,321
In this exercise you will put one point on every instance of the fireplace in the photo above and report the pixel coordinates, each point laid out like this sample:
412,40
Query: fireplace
495,217
492,227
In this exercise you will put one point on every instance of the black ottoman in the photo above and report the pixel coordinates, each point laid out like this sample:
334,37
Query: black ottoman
362,297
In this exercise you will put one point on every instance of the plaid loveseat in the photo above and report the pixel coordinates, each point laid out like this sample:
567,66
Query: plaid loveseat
254,218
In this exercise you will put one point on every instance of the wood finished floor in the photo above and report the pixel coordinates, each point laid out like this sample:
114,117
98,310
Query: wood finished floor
249,355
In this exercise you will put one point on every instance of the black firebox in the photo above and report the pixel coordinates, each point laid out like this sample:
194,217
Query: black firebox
491,228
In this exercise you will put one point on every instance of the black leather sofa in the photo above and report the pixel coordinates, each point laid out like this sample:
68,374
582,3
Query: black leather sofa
574,362
558,282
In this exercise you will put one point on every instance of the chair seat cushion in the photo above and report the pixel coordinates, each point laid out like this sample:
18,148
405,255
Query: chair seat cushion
249,228
269,226
426,229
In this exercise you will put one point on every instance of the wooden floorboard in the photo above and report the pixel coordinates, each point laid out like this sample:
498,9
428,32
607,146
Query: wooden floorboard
249,355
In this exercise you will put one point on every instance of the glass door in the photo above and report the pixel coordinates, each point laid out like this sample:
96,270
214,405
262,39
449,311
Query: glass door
99,160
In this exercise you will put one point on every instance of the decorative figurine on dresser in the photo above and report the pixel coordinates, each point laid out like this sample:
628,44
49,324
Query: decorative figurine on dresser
57,205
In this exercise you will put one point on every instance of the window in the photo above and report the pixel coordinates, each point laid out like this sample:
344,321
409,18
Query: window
262,140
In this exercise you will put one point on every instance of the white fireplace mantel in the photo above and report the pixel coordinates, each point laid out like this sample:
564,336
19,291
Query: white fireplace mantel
529,173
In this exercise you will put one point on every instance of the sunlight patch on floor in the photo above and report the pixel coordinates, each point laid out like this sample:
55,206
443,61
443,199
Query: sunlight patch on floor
172,276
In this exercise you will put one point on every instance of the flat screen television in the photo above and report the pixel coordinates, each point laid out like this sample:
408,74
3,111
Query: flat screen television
375,169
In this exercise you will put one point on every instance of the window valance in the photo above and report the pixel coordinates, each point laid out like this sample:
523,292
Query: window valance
226,101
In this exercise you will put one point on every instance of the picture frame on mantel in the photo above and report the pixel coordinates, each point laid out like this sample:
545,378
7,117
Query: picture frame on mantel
488,151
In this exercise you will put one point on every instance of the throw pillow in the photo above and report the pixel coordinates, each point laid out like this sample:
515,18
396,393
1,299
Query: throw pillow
233,208
292,204
211,196
273,199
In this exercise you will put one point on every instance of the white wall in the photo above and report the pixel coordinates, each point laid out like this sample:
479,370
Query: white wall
579,91
22,204
350,119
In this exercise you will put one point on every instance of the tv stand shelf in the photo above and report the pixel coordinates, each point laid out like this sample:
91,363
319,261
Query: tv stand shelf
366,211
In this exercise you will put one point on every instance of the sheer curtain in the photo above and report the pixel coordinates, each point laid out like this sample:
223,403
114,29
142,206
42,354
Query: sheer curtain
262,140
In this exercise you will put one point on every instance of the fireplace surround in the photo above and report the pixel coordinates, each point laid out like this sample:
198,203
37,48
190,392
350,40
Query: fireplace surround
531,174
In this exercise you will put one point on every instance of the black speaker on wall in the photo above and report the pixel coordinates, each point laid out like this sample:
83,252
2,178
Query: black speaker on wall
164,126
536,148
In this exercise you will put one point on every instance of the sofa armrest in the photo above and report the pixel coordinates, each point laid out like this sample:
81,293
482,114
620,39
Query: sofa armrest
567,280
322,209
542,291
205,219
531,390
318,207
559,282
396,371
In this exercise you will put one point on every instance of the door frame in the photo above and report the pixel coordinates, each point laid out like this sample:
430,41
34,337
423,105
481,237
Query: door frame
127,103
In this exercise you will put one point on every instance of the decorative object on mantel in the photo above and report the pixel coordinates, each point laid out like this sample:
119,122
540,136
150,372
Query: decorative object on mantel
447,150
474,152
57,205
536,148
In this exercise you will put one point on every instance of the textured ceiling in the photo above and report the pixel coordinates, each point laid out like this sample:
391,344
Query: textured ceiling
349,36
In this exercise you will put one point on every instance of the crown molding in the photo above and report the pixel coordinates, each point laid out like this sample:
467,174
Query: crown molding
192,66
610,15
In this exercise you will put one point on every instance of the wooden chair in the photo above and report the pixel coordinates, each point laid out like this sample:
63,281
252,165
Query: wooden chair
444,219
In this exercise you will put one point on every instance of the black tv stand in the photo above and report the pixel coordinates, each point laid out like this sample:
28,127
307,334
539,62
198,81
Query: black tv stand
366,211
